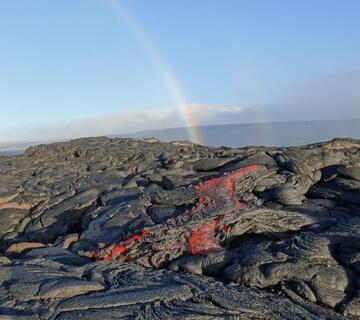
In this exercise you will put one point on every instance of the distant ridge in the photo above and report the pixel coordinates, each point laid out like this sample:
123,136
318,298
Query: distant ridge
14,148
289,133
277,134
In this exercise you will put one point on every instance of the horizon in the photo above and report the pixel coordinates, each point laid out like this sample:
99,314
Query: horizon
132,133
116,67
234,135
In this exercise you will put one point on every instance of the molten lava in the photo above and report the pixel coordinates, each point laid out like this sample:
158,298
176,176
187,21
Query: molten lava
121,248
217,198
203,240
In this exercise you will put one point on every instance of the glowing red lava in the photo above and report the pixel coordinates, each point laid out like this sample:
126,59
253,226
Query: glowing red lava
203,240
217,198
120,248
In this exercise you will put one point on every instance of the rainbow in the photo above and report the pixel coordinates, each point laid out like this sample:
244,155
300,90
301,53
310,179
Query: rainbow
171,82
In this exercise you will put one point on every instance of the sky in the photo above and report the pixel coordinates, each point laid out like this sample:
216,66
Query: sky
94,67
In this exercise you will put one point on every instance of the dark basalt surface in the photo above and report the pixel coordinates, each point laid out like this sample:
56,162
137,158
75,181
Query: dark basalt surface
103,228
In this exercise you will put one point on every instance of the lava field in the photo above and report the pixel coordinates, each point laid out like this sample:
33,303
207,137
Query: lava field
102,228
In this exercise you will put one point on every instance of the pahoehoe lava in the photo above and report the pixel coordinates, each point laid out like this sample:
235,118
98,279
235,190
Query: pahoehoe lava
216,199
102,228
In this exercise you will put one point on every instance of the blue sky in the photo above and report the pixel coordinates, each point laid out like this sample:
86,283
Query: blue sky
67,61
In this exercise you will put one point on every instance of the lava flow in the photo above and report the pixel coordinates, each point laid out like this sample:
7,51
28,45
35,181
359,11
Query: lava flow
221,193
217,198
121,248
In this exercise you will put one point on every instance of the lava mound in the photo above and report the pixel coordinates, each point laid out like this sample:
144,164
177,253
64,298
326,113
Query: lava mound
104,228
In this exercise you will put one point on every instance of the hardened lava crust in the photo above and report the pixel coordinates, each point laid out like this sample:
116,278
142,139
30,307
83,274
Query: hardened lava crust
102,228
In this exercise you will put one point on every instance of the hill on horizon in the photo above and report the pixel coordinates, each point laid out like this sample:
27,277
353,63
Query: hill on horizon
276,134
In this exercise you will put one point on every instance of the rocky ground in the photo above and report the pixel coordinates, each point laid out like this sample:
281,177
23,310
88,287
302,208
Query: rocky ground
104,228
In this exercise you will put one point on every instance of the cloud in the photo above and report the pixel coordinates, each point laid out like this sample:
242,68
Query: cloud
127,122
335,96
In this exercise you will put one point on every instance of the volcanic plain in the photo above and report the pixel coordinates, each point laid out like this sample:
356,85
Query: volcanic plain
102,228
